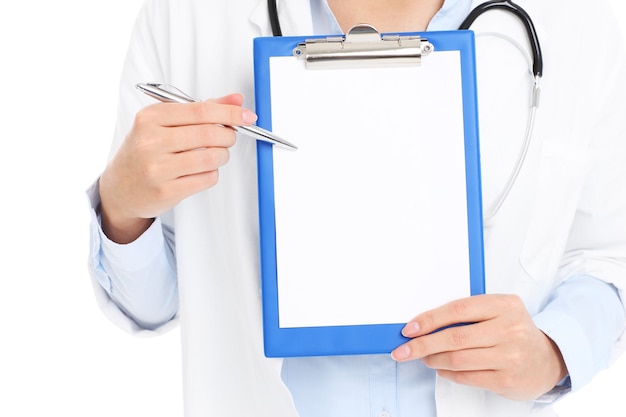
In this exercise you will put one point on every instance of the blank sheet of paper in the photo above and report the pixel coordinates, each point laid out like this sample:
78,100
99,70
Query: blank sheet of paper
371,210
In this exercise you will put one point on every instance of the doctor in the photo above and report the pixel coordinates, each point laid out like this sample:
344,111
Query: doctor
174,218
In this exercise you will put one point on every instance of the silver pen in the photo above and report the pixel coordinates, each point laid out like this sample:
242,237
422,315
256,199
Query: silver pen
168,93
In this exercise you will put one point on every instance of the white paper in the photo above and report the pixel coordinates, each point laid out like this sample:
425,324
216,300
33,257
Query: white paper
371,212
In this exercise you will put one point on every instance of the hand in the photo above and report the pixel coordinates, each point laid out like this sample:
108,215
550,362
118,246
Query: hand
501,351
172,151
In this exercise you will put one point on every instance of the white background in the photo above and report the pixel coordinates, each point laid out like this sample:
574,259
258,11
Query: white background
60,62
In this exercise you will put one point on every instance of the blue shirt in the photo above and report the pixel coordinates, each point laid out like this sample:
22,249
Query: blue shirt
376,385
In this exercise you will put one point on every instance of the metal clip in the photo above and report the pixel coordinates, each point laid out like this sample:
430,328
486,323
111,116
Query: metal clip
363,46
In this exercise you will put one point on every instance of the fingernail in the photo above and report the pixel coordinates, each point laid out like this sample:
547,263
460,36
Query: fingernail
248,117
401,353
411,329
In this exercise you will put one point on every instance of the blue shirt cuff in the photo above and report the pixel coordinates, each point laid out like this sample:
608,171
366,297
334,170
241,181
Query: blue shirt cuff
131,256
584,317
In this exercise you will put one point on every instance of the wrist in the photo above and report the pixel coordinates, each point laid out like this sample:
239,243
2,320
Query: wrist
120,229
560,368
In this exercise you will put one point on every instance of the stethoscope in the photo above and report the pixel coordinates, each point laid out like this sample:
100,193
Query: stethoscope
537,72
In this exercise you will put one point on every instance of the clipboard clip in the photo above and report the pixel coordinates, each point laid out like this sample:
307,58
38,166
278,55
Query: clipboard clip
363,46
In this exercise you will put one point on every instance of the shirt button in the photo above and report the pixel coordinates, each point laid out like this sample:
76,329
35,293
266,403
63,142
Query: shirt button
384,414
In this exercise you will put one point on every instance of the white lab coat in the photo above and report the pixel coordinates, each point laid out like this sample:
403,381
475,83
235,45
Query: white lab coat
566,214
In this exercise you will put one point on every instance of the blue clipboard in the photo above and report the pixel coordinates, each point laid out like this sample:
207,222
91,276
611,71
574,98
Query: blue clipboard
291,340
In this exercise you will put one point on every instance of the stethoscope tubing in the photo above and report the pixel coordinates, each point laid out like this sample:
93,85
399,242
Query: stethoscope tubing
524,17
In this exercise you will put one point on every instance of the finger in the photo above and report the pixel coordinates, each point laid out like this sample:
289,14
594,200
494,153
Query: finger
464,360
233,99
205,112
466,310
197,161
186,138
456,338
486,379
194,183
172,192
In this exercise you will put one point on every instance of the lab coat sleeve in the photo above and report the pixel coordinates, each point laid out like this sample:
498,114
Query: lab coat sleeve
145,62
135,284
584,317
597,240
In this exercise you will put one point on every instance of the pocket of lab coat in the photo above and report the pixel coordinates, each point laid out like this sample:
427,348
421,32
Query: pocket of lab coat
561,175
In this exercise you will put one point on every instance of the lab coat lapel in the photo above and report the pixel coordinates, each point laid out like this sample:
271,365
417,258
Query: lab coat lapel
225,370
